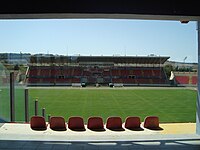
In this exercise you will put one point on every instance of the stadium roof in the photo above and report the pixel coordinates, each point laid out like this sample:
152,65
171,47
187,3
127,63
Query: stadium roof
124,59
100,59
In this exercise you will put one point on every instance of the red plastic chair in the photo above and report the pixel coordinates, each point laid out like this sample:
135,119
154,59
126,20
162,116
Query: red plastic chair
57,123
38,123
132,122
76,123
95,123
114,123
151,122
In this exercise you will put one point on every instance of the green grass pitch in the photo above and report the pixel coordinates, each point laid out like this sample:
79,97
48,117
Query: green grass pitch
171,105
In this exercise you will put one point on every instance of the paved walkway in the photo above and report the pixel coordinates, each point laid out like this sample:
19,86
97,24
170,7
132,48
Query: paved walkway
20,136
192,143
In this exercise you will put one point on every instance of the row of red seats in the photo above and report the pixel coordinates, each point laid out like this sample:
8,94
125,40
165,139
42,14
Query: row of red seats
140,81
186,79
140,72
76,123
182,79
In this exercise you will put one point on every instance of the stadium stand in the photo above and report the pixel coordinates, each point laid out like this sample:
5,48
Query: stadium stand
38,123
194,80
57,123
182,79
90,70
185,78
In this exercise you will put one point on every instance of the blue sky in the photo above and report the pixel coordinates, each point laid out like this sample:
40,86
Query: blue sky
101,37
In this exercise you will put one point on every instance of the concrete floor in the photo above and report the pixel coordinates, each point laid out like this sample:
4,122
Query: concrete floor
21,136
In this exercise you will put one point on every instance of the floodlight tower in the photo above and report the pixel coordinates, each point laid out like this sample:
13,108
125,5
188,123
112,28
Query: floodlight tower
184,59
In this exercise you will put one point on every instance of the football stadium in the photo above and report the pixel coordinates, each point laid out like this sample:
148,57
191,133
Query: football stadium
106,81
102,86
97,93
54,101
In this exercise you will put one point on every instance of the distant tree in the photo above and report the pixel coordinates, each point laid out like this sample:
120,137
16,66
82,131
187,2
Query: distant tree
176,69
191,69
16,67
168,68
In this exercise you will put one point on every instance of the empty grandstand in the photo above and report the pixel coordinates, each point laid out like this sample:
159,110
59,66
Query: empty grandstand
185,78
92,70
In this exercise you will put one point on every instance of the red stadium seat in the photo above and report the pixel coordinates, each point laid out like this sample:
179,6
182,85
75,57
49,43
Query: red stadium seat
76,123
95,124
38,123
133,123
114,123
152,122
57,123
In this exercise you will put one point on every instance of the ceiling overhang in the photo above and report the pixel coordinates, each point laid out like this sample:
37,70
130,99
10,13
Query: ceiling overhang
111,9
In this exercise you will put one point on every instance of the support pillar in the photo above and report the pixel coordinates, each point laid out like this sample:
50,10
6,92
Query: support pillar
43,112
198,89
36,107
26,106
12,98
